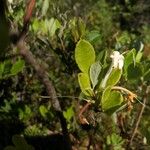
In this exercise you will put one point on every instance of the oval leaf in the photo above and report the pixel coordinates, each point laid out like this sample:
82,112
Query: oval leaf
129,59
84,83
17,67
69,113
84,55
45,7
114,77
93,36
43,110
114,99
105,94
95,70
52,25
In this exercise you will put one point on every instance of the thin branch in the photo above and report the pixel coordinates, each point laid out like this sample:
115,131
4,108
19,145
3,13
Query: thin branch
27,17
82,119
44,78
139,116
124,89
42,74
67,96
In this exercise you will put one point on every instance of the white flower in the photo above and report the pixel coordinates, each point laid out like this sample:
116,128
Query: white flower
10,1
117,60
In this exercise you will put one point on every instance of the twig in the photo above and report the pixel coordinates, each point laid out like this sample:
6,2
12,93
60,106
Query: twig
125,90
81,117
139,117
68,96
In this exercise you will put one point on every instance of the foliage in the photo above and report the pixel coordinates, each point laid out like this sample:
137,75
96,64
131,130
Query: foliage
74,41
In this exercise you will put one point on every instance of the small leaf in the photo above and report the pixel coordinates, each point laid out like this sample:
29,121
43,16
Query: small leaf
102,56
93,36
95,70
106,94
138,57
129,59
27,110
17,67
111,99
52,25
84,83
69,113
84,55
7,67
43,111
74,29
147,75
2,66
81,27
114,77
139,46
45,7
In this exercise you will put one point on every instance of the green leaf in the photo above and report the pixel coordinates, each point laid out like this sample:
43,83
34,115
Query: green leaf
102,56
74,29
138,45
129,59
69,113
27,110
81,27
36,26
21,114
93,36
134,72
84,55
84,83
106,94
17,67
95,70
45,7
2,66
114,77
147,75
7,67
52,25
138,56
43,111
110,99
115,139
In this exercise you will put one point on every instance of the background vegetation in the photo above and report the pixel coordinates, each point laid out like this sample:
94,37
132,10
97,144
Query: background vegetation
28,116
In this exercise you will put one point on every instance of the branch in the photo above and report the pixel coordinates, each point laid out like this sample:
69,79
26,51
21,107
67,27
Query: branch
125,90
139,116
41,72
44,78
81,117
27,18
